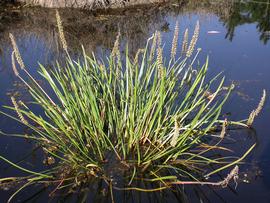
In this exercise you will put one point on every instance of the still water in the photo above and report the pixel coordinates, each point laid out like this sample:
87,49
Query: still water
235,36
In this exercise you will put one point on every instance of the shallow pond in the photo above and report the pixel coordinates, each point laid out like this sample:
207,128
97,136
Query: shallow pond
235,36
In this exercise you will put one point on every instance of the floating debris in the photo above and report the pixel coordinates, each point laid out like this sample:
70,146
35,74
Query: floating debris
213,32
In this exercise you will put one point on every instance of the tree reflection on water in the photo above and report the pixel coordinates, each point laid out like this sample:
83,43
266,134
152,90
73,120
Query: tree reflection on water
257,12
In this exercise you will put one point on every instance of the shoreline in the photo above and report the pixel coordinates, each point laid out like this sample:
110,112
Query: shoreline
91,4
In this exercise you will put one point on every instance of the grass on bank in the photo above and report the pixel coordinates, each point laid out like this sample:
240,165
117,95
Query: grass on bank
144,115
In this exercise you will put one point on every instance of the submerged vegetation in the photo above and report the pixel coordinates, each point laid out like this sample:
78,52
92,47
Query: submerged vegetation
124,119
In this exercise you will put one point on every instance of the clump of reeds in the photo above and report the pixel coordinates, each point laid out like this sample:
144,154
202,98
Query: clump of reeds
151,119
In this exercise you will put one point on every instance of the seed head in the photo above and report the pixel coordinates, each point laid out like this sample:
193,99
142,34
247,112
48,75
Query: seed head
251,118
115,50
14,64
160,62
159,40
175,134
21,117
136,59
175,41
194,40
16,51
261,104
61,31
257,111
185,42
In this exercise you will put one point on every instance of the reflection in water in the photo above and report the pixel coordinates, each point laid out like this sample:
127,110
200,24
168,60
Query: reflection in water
99,192
84,27
99,30
103,194
235,13
256,12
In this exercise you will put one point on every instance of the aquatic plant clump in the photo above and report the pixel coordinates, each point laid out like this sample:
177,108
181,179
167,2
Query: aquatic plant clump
127,118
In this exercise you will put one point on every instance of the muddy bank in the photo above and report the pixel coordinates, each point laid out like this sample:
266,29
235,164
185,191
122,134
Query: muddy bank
82,27
98,29
95,29
89,4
